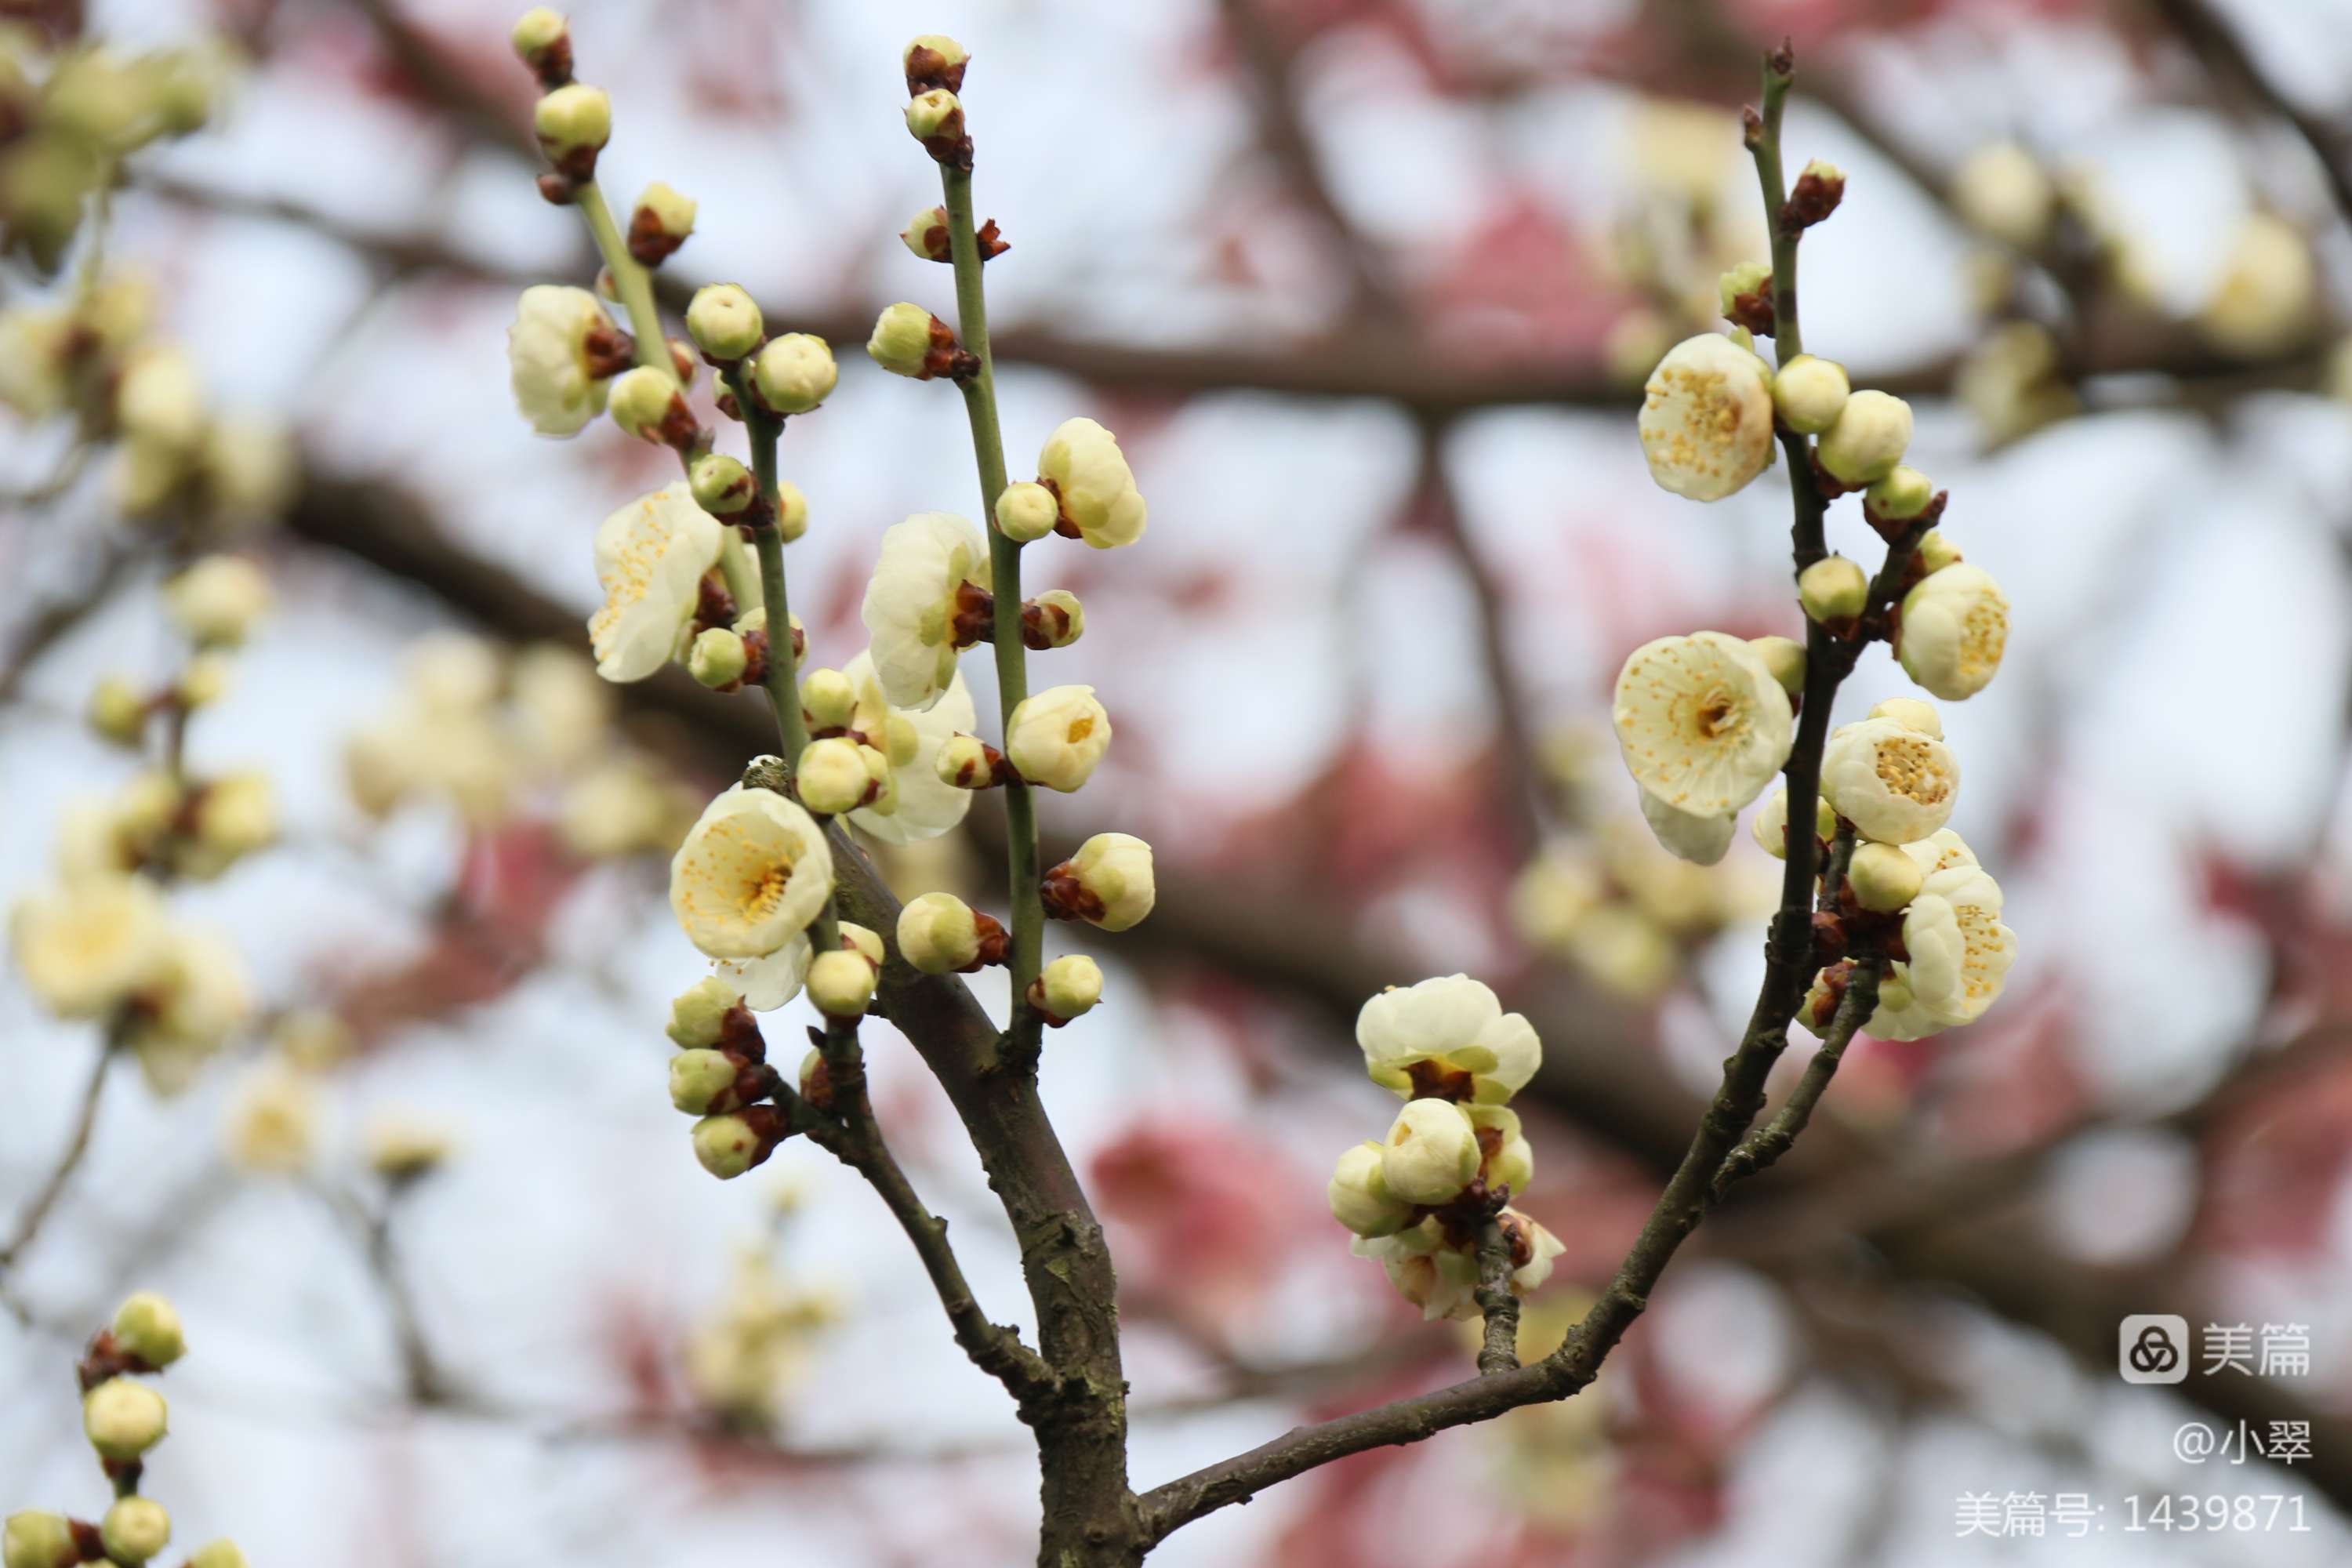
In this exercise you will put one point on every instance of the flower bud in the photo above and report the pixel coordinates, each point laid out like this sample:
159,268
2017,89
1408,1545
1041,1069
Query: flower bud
828,701
38,1541
723,486
938,932
1872,432
832,776
794,374
724,321
217,1554
2001,190
1820,186
1746,278
1358,1195
933,115
642,399
968,762
215,601
1067,988
573,122
703,1081
1108,883
118,710
402,1149
727,1146
856,938
1833,590
1431,1152
841,983
1884,878
660,223
1955,630
1902,495
1785,658
1056,738
159,399
135,1529
933,59
536,32
926,235
697,1016
1809,394
206,680
1934,552
122,1419
903,338
1026,511
792,512
1053,619
717,657
1506,1158
1912,714
147,1327
816,1080
1769,825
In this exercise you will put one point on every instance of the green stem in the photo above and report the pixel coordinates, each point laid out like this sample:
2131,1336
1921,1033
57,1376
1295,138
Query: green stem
1023,871
635,283
784,681
1788,336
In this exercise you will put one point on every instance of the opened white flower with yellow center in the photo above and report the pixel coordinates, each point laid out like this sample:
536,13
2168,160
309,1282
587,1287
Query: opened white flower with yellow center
650,558
751,874
910,604
1083,466
922,804
1895,785
85,949
1055,738
199,999
1447,1036
1987,947
1702,722
1706,418
553,372
1955,629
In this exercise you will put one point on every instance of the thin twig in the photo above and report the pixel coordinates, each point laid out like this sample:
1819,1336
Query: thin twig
1761,1149
28,1225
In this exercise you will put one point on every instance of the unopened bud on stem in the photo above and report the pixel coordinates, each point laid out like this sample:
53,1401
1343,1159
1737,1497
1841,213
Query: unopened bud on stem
1833,590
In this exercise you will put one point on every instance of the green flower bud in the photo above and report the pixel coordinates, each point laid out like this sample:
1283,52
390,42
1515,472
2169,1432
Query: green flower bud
938,934
935,53
1884,878
926,235
701,1081
794,373
1745,278
699,1012
792,512
1872,432
723,486
827,699
135,1529
841,983
641,399
1053,619
1785,658
32,1539
727,1146
1027,511
968,762
1809,394
1833,590
901,342
661,222
147,1327
217,1554
831,777
536,32
124,1419
118,710
1068,987
1358,1195
1903,493
717,658
573,119
856,938
724,321
1934,551
934,113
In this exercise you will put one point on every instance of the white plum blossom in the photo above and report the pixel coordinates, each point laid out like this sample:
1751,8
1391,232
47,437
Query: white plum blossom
1940,851
1955,628
1702,722
1055,738
87,947
752,873
1431,1152
1894,783
650,558
910,604
1083,466
924,805
553,372
1988,947
1698,839
1441,1280
1358,1195
200,996
1706,418
770,981
1447,1035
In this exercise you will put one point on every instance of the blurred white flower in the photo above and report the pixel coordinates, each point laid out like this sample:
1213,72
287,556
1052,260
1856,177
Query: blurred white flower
910,608
83,949
2267,299
553,372
1082,463
273,1127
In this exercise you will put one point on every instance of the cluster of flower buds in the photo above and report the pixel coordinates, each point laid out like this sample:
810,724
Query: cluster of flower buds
1419,1199
744,1359
124,1419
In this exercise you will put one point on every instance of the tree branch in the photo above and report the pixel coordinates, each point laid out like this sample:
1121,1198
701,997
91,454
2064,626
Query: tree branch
1500,1353
45,1199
